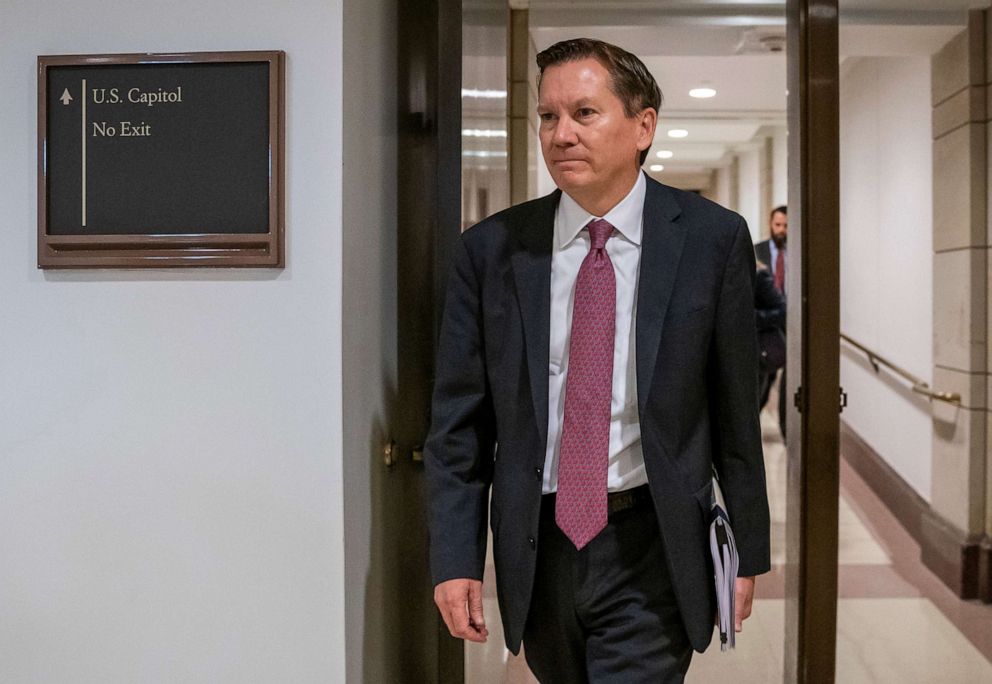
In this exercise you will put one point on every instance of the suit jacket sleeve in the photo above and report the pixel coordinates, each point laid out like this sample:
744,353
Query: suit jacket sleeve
763,253
459,449
769,304
737,452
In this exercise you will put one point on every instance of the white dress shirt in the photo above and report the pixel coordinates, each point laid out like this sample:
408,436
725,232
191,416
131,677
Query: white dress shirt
571,245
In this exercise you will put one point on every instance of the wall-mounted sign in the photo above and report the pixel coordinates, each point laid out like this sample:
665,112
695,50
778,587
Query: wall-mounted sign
154,160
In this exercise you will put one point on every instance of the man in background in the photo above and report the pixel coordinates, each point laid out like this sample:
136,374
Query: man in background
771,254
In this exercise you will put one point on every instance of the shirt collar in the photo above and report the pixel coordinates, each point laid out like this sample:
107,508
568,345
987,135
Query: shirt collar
626,217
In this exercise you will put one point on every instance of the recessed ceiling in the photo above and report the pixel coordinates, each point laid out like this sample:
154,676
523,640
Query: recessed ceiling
743,83
911,5
724,44
869,40
697,152
702,131
659,39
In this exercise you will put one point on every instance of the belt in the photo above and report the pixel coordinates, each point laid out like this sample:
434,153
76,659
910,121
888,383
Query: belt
617,502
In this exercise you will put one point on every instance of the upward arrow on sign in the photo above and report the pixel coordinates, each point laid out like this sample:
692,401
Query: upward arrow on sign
66,97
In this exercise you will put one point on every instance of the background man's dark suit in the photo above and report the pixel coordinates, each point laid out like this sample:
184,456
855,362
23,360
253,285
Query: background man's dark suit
696,369
763,253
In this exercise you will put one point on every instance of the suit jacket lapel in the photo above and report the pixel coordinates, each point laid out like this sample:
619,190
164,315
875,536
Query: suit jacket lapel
531,261
661,248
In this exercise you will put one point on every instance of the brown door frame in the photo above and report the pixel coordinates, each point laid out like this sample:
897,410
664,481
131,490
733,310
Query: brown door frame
813,394
429,54
814,317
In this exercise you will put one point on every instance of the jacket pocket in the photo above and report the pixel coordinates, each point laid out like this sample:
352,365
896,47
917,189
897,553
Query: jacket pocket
704,495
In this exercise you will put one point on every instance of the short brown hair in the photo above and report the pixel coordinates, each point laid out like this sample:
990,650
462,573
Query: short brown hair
630,80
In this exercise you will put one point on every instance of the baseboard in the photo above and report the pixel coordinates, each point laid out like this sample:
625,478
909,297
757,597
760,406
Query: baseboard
962,562
985,571
950,554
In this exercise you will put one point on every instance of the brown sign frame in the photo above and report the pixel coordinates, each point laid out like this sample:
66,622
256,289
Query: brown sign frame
167,250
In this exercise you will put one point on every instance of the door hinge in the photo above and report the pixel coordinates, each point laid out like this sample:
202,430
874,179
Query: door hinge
797,399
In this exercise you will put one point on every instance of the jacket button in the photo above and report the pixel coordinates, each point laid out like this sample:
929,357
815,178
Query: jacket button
538,472
532,542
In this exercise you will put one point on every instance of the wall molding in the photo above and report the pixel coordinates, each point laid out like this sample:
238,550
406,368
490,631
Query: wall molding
950,554
985,571
962,562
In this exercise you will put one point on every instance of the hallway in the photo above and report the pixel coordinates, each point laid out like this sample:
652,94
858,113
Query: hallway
896,621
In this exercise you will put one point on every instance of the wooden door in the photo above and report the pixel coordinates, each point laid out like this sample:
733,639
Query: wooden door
813,392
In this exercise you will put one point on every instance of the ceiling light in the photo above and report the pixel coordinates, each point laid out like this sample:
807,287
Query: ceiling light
665,154
483,153
484,94
657,167
702,93
483,133
678,133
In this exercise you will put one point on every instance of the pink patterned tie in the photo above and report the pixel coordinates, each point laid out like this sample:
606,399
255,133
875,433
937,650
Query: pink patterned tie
580,507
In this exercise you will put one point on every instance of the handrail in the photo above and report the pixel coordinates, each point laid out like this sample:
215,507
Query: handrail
919,386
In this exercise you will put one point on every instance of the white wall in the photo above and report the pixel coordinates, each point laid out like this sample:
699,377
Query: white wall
722,179
780,167
170,442
886,254
545,183
369,330
749,191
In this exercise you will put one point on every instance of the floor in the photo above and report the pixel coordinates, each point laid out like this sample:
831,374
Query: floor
896,621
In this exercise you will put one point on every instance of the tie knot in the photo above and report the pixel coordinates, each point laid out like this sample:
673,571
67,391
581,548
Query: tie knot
600,231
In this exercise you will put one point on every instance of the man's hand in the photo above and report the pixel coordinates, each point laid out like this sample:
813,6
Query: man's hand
460,603
743,595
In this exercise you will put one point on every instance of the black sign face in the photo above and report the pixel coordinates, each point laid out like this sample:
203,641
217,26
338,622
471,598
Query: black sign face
145,145
158,149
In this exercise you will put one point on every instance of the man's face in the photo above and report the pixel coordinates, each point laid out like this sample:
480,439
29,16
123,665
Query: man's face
779,227
590,146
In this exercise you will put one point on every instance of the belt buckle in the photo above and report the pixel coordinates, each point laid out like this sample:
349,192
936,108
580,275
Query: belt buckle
621,501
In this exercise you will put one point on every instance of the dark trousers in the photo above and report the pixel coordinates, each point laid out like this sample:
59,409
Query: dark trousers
781,404
606,613
766,383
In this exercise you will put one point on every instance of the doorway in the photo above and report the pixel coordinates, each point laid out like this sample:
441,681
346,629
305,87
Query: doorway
732,147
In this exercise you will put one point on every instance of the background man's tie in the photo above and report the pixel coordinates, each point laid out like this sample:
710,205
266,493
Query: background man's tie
779,274
580,506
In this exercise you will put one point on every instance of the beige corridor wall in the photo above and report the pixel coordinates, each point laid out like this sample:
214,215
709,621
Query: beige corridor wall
780,166
749,190
170,442
374,621
887,255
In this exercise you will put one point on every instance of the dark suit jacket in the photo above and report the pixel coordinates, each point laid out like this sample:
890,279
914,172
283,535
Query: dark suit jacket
763,253
769,304
696,388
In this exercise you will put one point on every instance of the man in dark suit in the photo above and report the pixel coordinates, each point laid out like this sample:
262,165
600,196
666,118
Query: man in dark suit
597,360
771,255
